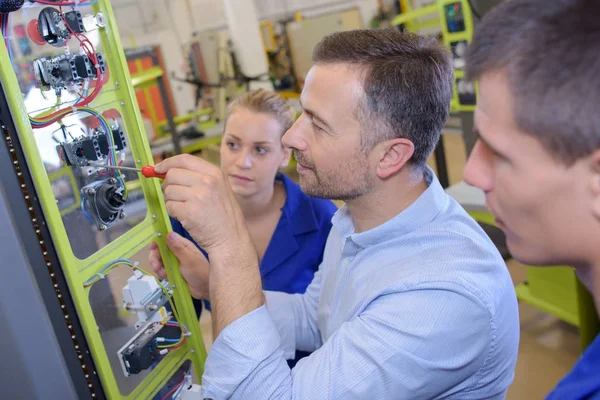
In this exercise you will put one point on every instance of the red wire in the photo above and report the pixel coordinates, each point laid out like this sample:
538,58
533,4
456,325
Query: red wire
170,392
64,3
90,51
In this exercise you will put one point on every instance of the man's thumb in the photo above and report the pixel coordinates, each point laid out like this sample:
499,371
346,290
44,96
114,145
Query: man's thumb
176,243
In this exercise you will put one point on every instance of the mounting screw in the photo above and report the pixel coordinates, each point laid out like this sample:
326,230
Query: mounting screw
102,227
122,103
122,215
154,216
116,83
112,181
138,161
159,234
91,191
193,351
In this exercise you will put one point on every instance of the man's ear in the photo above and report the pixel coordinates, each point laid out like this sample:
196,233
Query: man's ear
393,156
285,160
595,182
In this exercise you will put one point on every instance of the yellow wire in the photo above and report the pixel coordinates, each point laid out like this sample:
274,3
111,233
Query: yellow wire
162,287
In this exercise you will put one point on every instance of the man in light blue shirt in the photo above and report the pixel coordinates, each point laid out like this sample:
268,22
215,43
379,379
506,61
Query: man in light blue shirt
412,300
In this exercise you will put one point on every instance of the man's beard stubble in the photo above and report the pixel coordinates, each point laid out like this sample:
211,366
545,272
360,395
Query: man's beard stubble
352,179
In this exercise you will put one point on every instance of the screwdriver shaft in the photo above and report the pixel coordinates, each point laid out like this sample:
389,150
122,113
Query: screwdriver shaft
116,167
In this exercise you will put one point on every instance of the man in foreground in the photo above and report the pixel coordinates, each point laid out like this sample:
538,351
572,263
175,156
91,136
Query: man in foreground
538,154
412,300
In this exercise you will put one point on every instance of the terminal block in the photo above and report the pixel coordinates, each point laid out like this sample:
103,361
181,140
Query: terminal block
83,150
141,352
55,28
58,72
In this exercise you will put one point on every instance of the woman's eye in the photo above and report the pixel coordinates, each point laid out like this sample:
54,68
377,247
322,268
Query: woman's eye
232,145
261,150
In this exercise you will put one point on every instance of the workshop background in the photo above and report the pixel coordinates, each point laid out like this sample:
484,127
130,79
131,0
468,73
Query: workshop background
187,59
187,33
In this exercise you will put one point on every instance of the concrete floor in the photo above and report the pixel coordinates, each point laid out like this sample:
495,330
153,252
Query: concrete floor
548,347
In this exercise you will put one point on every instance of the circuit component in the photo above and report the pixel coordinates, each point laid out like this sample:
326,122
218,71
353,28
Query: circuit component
59,71
141,351
144,296
7,6
84,149
55,28
103,202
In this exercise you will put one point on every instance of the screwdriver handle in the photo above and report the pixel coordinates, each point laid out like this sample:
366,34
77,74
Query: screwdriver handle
149,172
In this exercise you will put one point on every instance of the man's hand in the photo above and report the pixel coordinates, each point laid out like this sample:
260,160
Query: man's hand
193,265
198,196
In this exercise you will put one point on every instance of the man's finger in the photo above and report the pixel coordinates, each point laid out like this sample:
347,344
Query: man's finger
184,161
180,246
179,193
176,209
182,177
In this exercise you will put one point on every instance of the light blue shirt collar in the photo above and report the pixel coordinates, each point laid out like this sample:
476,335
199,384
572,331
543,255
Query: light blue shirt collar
422,211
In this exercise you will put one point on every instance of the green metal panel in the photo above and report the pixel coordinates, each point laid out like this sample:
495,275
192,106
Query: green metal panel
117,93
409,19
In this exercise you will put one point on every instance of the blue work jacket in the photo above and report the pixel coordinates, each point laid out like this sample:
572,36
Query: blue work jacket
296,247
583,382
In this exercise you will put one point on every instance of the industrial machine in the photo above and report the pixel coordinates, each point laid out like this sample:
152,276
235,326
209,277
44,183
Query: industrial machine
82,314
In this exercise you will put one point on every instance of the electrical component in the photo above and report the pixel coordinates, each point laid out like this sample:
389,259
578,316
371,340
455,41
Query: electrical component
59,71
7,6
459,50
190,391
81,151
466,92
142,350
144,295
103,202
56,28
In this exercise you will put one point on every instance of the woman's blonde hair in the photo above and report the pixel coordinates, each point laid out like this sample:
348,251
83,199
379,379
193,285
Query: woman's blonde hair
268,102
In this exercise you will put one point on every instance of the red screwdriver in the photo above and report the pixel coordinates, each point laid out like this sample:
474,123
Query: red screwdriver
147,171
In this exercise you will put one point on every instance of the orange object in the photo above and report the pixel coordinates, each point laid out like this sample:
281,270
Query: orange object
149,172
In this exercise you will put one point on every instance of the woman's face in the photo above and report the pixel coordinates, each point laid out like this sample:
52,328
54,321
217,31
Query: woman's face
251,151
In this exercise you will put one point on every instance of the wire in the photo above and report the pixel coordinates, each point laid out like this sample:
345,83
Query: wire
175,388
66,3
4,22
177,342
87,216
107,268
178,392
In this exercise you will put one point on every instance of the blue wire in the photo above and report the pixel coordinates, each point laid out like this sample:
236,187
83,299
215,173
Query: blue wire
178,392
107,266
85,213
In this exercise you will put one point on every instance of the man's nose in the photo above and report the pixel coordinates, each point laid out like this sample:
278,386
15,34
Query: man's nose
478,170
295,137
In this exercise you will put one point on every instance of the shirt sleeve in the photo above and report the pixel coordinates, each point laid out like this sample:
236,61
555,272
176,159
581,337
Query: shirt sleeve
403,345
295,316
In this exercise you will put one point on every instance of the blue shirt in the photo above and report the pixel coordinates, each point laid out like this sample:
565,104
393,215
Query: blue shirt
420,307
296,247
583,382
